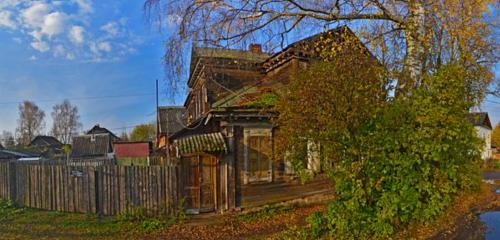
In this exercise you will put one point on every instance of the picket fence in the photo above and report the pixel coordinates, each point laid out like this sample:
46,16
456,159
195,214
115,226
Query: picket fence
105,190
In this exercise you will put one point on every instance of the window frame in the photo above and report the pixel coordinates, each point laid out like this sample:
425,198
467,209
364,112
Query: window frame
256,132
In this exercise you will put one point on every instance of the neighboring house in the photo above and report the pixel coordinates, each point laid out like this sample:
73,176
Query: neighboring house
133,153
92,147
16,155
1,147
100,130
226,151
482,124
48,146
171,119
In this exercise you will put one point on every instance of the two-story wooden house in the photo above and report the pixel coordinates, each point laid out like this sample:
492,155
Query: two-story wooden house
227,148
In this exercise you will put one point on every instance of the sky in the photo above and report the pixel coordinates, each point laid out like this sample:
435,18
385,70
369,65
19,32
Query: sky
104,56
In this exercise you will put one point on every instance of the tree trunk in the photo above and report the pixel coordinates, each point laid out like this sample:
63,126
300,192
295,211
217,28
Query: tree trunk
414,31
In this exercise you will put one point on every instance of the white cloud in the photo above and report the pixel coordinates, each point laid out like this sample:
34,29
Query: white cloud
53,24
111,29
76,35
62,29
34,16
6,20
33,58
104,46
70,56
59,51
84,5
9,3
41,20
40,46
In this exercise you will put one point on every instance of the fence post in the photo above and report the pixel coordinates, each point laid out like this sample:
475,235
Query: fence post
12,182
98,202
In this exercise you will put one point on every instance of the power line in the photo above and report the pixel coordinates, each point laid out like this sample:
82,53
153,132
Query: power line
82,98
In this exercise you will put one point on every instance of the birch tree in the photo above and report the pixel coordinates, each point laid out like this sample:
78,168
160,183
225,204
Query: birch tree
30,122
66,121
8,140
410,37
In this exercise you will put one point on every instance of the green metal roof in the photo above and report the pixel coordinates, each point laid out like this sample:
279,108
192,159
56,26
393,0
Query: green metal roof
210,142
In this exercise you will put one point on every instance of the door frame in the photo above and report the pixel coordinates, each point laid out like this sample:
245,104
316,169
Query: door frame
214,166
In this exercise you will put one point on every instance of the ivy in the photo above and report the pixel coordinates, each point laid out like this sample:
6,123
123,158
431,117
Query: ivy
265,100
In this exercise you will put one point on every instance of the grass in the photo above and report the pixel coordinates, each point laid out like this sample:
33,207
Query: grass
24,223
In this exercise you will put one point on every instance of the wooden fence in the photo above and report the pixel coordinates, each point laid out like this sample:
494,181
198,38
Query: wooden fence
104,190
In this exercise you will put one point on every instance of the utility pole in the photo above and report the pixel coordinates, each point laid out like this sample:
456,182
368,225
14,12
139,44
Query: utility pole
157,118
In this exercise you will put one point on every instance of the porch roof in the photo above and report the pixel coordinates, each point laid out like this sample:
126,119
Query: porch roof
210,142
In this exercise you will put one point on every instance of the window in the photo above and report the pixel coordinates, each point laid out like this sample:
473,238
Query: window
257,155
313,156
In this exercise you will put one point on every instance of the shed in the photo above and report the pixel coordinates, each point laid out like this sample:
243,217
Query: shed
92,146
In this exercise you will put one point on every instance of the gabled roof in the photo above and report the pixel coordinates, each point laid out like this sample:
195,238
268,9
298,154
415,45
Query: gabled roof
98,130
480,119
307,47
46,141
92,145
230,58
171,119
7,154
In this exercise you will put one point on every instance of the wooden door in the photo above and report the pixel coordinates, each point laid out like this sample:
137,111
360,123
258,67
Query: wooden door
191,179
199,183
207,182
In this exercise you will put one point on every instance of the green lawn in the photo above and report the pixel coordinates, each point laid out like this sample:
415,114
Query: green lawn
23,223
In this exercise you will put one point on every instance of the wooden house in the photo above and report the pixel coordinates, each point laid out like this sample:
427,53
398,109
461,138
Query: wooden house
227,150
48,146
97,129
482,124
170,120
92,149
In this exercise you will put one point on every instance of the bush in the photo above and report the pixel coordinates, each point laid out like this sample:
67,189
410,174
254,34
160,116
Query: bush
403,163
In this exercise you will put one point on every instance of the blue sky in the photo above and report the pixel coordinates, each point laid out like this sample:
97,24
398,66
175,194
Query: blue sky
82,49
76,50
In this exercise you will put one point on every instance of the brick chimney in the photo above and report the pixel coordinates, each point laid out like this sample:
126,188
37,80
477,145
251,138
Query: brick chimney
255,48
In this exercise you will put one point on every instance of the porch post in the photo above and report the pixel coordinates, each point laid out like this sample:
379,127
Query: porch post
229,169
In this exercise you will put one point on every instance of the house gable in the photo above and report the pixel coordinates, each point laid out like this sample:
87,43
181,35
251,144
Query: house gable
100,130
480,119
46,141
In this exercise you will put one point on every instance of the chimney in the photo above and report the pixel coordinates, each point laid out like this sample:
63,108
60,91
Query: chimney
255,48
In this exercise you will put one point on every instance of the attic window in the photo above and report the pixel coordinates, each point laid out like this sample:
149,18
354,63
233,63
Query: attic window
92,138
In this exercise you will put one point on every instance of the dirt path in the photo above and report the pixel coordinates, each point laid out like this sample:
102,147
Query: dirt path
245,227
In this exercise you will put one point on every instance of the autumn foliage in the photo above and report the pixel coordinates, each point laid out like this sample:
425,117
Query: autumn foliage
394,162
